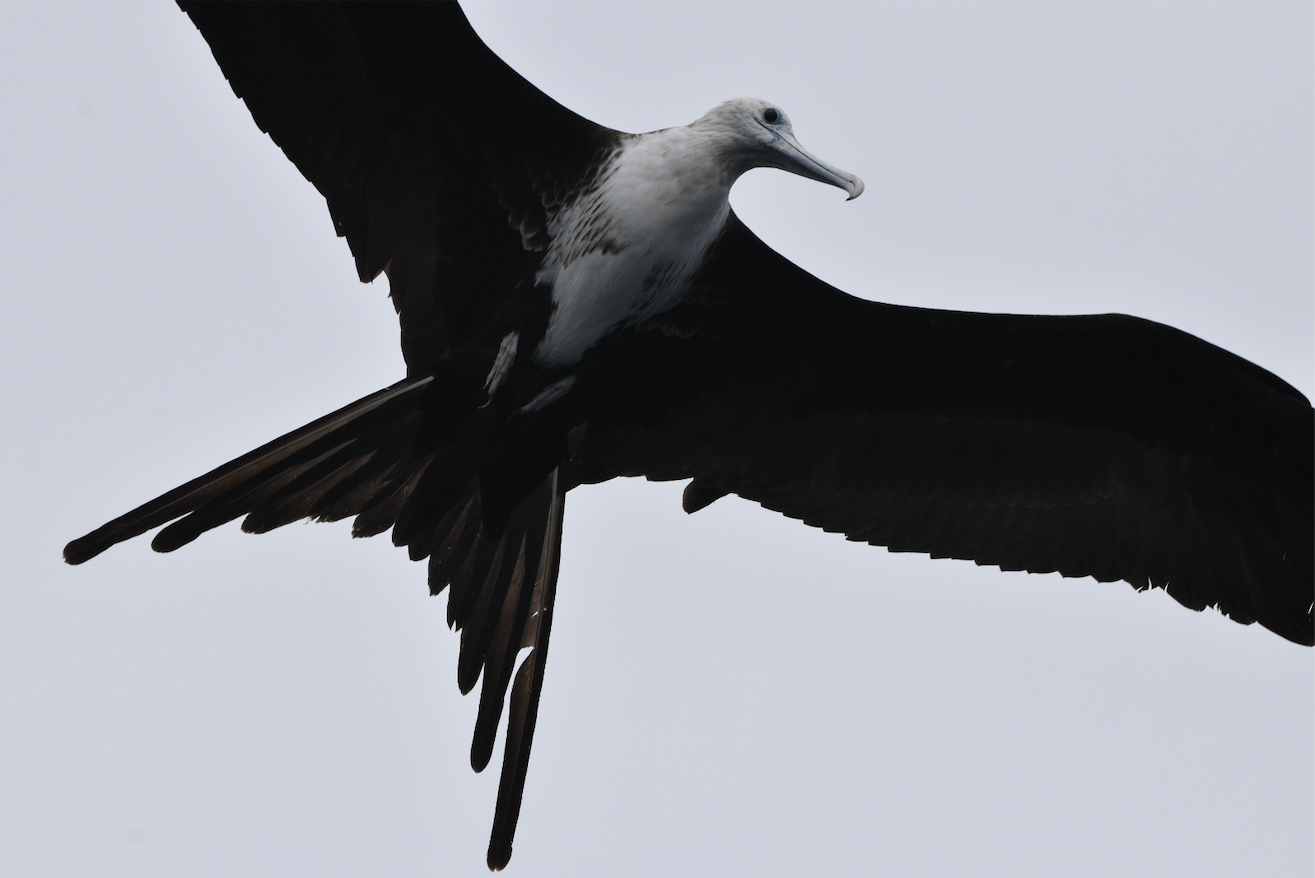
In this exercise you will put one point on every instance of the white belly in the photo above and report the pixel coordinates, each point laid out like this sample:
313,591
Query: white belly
602,291
628,250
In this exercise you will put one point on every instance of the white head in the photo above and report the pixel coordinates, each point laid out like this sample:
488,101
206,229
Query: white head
754,133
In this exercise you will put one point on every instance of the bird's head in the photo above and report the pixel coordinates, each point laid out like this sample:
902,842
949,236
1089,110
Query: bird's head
754,133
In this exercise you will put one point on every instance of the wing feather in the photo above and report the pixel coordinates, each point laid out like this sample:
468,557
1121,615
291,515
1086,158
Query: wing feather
439,163
1102,446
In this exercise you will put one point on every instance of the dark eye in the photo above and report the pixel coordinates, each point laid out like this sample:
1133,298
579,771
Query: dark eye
771,116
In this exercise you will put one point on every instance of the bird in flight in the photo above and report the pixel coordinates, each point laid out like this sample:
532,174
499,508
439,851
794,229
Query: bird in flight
577,303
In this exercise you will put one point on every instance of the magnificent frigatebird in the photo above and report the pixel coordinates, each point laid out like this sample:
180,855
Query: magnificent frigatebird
531,398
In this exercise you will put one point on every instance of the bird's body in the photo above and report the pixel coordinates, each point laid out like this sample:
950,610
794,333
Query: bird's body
578,304
627,247
630,238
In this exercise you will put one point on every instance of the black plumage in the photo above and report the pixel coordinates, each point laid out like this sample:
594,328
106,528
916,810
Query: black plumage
1103,446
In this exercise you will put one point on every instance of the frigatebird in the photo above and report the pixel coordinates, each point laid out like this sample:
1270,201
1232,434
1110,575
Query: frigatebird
725,385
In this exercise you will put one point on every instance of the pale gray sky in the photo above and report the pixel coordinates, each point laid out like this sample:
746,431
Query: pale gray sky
730,693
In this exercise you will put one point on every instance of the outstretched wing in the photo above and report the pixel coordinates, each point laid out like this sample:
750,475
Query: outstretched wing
1104,446
440,164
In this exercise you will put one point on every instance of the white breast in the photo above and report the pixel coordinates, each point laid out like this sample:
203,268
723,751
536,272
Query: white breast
627,250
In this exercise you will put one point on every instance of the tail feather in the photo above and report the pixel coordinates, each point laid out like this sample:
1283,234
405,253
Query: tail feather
361,460
452,537
382,508
484,627
352,491
500,596
490,580
292,499
528,683
232,504
503,642
271,457
498,633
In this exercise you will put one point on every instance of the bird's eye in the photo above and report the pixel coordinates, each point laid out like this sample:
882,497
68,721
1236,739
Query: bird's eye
771,116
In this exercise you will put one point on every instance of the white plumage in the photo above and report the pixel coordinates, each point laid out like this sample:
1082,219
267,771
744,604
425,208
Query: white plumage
627,248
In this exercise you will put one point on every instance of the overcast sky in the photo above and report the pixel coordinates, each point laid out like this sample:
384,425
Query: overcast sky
730,693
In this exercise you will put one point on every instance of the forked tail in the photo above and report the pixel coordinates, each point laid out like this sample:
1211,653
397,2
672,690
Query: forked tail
362,460
308,468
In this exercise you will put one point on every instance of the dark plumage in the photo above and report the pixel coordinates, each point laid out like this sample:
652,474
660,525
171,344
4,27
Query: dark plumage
1103,446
